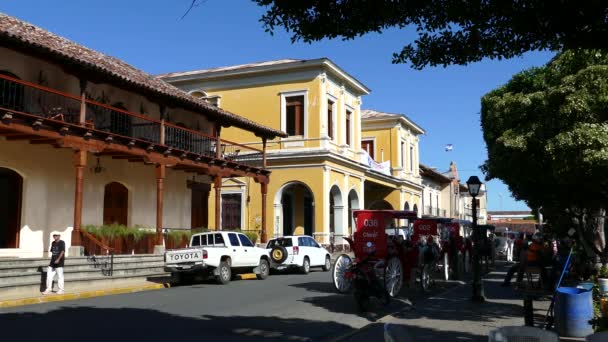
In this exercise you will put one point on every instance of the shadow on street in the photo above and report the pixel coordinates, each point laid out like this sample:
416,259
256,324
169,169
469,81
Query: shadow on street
97,324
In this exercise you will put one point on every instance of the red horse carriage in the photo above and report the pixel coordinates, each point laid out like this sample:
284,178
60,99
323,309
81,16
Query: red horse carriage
379,264
395,245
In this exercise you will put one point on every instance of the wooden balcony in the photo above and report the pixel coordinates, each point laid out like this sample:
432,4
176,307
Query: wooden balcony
44,115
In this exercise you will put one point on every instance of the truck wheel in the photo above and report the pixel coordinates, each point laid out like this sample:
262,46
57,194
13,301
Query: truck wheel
327,264
264,270
224,273
176,278
305,266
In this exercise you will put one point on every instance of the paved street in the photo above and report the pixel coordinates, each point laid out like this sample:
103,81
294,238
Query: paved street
284,307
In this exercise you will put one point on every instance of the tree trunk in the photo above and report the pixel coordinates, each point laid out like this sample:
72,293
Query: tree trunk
596,228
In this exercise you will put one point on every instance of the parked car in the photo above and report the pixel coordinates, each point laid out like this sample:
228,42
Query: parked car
217,254
301,252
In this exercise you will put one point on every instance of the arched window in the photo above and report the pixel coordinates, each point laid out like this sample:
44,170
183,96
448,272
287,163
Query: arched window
115,204
406,207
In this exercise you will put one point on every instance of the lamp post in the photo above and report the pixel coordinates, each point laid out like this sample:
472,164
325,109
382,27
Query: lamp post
474,185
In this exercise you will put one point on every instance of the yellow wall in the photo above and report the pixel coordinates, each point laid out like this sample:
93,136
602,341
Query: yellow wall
262,104
382,144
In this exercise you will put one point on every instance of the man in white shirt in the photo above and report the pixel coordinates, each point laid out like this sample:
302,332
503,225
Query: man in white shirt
509,249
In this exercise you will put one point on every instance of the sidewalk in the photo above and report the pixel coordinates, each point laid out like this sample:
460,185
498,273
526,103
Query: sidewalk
74,291
451,316
29,297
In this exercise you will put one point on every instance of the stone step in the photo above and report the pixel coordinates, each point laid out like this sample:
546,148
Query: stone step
34,262
14,279
71,267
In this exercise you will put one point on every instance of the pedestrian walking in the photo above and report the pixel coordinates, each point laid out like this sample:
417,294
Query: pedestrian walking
510,243
56,265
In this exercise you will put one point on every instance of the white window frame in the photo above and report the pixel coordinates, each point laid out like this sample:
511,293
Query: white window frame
412,150
285,95
372,139
403,155
233,192
334,121
352,125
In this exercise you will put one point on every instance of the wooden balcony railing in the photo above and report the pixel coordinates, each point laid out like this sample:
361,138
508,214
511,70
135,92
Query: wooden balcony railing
92,246
32,99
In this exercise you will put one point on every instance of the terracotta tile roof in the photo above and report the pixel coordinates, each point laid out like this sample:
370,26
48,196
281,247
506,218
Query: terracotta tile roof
229,68
427,171
370,114
18,34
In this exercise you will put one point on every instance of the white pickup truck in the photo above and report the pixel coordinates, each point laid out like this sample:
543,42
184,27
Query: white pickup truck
218,254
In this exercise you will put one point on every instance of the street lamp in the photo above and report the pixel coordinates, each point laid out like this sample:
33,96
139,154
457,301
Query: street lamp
474,185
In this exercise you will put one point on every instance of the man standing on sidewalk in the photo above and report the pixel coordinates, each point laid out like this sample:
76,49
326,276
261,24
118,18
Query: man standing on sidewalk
56,265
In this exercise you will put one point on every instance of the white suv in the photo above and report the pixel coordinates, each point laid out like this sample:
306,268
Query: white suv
298,251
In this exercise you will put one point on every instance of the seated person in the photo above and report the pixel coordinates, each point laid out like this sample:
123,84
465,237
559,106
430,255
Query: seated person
530,256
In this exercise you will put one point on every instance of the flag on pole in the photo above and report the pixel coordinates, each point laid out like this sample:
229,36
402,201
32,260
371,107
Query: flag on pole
449,147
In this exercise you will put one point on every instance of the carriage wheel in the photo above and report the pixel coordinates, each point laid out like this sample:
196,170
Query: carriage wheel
341,284
425,277
393,276
446,266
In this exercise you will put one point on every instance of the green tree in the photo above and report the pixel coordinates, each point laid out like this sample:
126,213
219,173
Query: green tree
546,133
448,31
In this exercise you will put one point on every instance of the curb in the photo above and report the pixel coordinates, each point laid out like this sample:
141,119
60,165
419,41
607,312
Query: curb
247,276
80,295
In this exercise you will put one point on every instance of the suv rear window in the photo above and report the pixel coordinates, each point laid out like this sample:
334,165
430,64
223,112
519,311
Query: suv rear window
280,242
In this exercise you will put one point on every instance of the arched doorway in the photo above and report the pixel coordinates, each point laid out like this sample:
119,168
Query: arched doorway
294,210
353,204
11,187
115,204
336,214
380,205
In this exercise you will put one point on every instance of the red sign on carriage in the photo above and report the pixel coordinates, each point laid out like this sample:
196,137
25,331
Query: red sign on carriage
424,228
370,235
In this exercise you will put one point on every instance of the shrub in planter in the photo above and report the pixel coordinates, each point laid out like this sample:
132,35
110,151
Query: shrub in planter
253,236
179,238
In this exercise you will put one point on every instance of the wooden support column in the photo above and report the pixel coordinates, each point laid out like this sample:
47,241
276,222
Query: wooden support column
218,142
264,153
83,104
264,187
80,162
163,115
160,178
218,187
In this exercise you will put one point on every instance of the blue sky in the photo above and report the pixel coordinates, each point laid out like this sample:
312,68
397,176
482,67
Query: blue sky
150,35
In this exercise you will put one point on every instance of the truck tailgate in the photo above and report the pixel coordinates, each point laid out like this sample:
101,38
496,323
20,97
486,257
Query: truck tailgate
184,256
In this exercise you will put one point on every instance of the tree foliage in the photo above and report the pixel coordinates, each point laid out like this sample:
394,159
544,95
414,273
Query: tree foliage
448,31
546,132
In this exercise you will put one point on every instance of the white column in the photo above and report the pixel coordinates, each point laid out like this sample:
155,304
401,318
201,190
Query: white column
325,204
362,194
345,213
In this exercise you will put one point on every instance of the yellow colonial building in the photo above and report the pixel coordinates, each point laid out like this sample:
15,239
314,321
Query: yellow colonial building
320,172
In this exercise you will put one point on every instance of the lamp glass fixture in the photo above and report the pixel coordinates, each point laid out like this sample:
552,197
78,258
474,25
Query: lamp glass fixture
474,184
